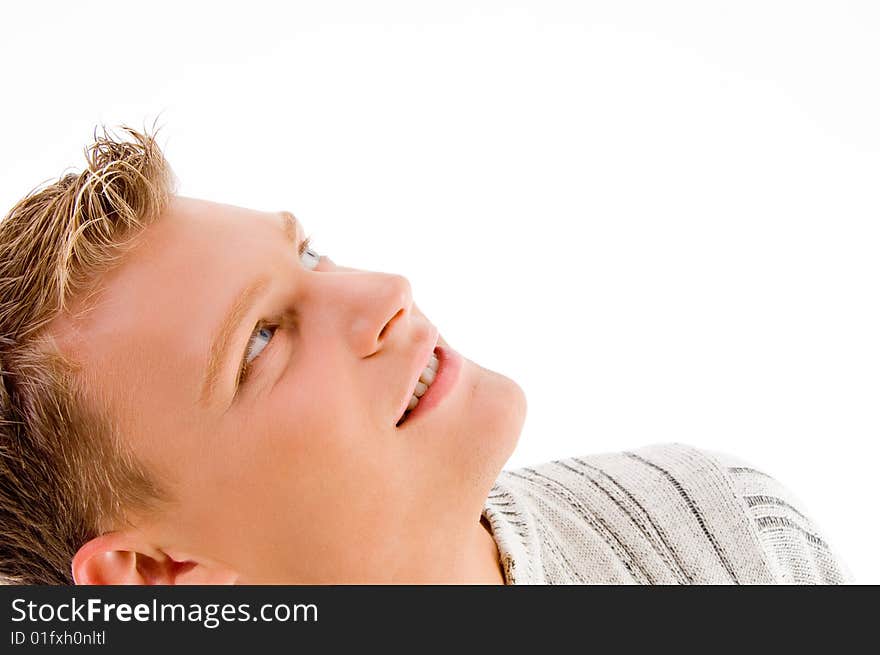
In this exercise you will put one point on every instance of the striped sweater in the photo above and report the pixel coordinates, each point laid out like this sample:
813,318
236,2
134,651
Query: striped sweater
662,514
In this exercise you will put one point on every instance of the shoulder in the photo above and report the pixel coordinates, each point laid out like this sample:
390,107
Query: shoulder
795,547
678,513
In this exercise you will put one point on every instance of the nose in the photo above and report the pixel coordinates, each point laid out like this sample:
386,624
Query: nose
372,307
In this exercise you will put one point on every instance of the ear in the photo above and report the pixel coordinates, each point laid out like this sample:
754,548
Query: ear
121,558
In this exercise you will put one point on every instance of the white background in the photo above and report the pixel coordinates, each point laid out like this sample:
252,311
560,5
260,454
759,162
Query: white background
659,218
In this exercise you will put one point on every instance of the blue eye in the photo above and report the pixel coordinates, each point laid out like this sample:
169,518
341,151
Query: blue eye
265,329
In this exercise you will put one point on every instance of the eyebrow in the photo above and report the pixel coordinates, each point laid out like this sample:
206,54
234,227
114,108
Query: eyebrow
221,345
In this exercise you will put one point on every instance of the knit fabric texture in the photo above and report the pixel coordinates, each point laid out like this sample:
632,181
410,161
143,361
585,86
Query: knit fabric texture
662,514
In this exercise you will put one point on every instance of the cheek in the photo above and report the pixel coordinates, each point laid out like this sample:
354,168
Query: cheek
309,425
318,421
325,395
311,450
328,422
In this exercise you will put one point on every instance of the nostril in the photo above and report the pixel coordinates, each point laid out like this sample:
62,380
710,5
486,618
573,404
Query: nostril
388,324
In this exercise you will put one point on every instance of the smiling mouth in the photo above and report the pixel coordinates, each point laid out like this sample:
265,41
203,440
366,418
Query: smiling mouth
426,378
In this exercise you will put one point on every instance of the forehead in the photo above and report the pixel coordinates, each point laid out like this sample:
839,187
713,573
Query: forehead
143,337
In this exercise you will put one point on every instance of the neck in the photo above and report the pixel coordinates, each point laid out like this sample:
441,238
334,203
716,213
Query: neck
454,556
480,561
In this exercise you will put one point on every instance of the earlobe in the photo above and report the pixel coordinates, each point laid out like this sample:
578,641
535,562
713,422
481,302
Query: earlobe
117,558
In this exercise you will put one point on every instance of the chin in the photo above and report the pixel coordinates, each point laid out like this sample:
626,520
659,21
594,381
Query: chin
497,412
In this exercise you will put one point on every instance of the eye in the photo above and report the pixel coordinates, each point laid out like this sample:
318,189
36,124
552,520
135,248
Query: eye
265,330
306,249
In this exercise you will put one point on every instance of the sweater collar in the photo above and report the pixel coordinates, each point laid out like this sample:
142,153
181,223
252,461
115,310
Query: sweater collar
514,529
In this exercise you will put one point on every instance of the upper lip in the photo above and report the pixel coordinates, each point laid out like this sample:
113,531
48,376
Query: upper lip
421,362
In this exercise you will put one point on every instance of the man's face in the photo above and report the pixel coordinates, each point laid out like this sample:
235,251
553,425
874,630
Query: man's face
300,474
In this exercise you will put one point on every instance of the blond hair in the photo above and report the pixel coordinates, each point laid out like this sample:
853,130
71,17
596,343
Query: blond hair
65,473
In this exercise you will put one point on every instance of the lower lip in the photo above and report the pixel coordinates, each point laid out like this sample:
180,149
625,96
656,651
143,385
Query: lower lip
447,375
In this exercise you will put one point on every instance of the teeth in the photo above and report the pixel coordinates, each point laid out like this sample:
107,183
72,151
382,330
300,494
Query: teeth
428,376
425,379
